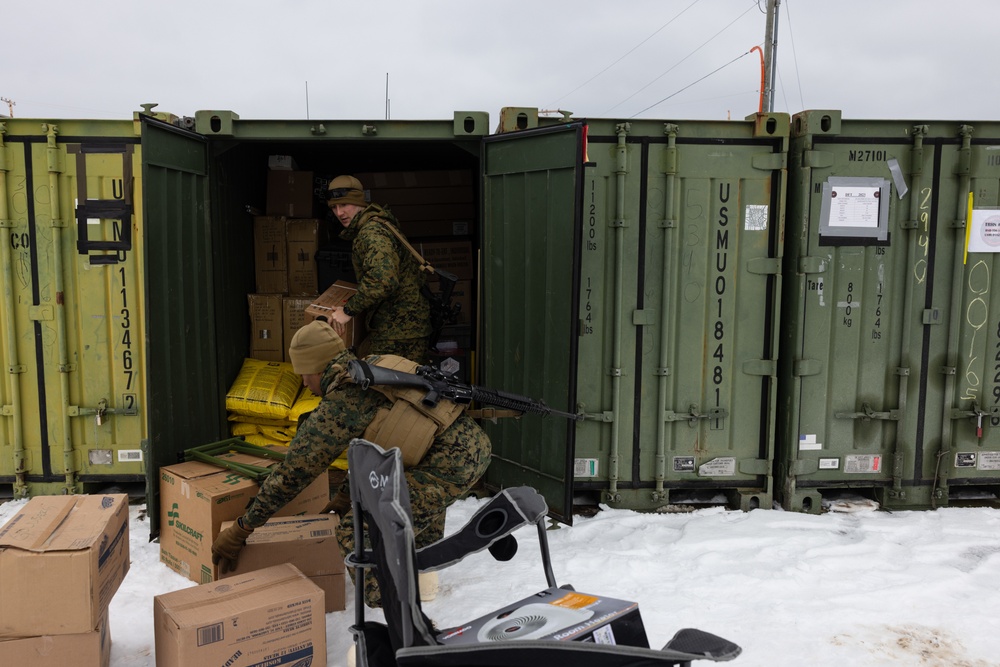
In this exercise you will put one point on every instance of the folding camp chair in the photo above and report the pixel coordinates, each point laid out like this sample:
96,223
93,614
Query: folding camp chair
557,626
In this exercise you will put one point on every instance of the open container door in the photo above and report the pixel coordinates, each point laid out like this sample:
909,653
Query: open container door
181,315
531,236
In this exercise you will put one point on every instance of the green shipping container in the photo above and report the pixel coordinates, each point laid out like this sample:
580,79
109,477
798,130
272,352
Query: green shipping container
890,379
632,272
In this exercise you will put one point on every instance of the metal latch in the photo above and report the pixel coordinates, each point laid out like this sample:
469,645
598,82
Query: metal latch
868,413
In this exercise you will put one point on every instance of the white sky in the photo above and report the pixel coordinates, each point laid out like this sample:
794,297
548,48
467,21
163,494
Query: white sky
860,588
905,59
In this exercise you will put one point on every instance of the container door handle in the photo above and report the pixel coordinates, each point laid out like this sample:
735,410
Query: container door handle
867,414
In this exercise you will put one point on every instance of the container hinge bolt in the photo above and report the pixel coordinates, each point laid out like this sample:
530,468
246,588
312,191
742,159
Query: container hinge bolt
616,224
8,411
908,224
6,224
947,370
615,372
662,372
13,370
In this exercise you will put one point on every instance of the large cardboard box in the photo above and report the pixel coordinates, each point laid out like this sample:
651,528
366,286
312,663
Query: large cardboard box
84,649
266,327
267,617
270,254
307,542
452,256
303,242
62,558
560,615
290,193
196,498
294,317
336,295
431,178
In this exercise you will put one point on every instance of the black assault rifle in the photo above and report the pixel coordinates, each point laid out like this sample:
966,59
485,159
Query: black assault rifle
438,384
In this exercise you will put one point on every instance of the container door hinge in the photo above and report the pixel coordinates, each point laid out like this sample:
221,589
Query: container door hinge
817,159
14,370
806,367
755,467
7,411
693,415
764,367
644,317
764,266
932,316
607,416
812,265
40,313
769,161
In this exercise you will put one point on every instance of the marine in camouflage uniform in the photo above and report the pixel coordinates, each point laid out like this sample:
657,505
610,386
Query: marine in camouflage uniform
396,314
456,460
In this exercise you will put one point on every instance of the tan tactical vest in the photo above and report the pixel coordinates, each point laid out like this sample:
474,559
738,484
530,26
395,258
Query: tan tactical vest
408,424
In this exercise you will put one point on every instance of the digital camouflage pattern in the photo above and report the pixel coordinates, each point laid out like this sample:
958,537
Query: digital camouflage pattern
456,460
389,279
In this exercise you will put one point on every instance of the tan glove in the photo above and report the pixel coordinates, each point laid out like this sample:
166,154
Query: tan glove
341,504
227,546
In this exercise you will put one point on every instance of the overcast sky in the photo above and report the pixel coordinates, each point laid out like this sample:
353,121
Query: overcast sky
670,59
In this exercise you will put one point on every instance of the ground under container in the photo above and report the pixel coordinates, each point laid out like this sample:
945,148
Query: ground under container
890,352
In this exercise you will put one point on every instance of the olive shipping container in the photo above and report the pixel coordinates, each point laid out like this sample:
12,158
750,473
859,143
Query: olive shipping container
890,358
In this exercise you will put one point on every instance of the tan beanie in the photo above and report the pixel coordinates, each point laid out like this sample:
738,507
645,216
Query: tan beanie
346,190
313,347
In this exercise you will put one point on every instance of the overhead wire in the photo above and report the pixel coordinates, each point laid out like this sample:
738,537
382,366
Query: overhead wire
795,58
672,67
625,55
746,53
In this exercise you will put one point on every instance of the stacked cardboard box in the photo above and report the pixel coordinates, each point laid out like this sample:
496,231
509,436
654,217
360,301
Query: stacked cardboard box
308,542
426,203
196,498
62,558
272,616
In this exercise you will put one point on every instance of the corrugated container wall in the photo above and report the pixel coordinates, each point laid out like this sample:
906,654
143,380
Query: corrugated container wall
890,374
642,289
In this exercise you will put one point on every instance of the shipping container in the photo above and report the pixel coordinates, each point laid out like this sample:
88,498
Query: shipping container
629,270
890,371
632,270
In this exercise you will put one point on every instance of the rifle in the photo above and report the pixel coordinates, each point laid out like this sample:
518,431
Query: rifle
438,384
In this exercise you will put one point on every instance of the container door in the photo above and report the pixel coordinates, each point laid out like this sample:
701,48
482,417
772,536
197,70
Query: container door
531,241
180,290
73,398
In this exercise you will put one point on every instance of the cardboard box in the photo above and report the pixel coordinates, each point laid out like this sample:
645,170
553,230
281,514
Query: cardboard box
432,178
462,296
62,558
282,162
84,649
294,317
334,263
266,327
415,229
308,542
270,255
290,194
266,617
302,238
452,256
560,615
196,498
336,296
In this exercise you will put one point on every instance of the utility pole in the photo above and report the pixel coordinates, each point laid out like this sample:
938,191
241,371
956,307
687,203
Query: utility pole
770,53
10,105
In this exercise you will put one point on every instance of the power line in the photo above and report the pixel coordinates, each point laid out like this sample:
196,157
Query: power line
690,84
627,53
795,58
672,67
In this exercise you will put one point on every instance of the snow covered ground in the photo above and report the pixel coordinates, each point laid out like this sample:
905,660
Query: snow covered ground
855,587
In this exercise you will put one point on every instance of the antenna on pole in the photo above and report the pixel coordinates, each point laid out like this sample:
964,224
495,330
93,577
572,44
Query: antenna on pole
387,96
770,53
10,105
307,100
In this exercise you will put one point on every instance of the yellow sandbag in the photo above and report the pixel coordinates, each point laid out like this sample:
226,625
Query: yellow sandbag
238,429
307,402
259,440
264,389
260,421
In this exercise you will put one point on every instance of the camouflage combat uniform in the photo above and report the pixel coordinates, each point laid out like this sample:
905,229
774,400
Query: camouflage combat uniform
456,460
396,314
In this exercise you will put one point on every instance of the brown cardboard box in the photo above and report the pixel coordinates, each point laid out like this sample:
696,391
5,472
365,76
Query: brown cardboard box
415,179
303,241
266,327
83,649
293,309
196,498
307,542
415,229
266,617
62,558
336,296
290,193
270,255
462,295
452,256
